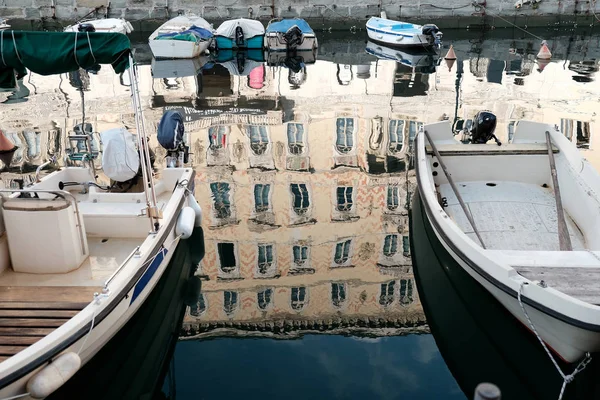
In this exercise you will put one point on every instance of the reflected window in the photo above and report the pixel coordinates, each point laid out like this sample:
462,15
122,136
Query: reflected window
342,252
264,298
393,198
344,198
390,245
227,257
261,197
230,302
386,297
338,294
300,255
259,139
511,130
265,258
344,135
198,308
217,136
295,134
298,298
301,201
406,246
413,129
222,203
396,135
406,291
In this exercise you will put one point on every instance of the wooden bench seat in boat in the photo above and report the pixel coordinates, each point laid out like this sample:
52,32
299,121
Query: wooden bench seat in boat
508,149
28,313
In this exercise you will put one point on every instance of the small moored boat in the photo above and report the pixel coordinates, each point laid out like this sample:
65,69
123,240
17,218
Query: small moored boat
80,254
181,37
113,25
240,33
522,219
290,34
4,24
396,33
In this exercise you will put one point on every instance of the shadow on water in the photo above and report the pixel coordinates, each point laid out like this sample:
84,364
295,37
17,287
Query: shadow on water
478,338
134,363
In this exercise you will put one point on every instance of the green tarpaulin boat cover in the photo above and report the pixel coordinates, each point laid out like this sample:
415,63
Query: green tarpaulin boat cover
49,53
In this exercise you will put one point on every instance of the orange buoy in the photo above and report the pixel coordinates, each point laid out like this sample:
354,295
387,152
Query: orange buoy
450,55
544,53
450,63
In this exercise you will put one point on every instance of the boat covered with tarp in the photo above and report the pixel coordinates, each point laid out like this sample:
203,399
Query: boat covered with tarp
290,34
181,37
80,251
240,33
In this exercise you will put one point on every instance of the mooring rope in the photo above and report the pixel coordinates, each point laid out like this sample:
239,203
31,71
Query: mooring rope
566,378
475,4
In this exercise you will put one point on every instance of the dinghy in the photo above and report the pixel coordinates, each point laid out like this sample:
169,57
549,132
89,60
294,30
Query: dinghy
396,33
4,24
291,34
522,218
113,25
240,33
80,254
181,37
421,60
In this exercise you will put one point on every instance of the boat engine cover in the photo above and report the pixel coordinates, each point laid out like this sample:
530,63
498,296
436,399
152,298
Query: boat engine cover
293,37
86,28
170,130
430,29
484,126
239,36
120,159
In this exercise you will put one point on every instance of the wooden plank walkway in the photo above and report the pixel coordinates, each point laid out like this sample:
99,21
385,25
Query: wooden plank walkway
580,283
28,313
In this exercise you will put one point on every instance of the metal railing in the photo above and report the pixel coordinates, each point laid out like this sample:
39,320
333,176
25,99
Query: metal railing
112,276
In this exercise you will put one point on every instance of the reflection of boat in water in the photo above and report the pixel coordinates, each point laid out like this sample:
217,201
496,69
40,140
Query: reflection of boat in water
472,329
519,245
294,62
176,68
240,63
422,61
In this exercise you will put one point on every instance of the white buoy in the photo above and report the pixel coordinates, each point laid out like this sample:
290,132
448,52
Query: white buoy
54,375
185,222
192,202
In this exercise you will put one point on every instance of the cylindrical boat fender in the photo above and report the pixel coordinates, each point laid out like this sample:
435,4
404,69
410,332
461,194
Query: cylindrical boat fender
197,209
193,291
54,375
185,222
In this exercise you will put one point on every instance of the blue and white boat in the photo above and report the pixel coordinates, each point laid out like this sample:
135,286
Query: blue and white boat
396,33
240,33
290,34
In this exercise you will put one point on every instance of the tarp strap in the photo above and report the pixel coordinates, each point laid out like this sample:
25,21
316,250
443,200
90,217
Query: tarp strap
89,45
91,50
75,49
16,50
2,46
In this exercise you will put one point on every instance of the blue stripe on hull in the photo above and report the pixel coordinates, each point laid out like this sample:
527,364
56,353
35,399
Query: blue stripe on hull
389,33
141,284
256,42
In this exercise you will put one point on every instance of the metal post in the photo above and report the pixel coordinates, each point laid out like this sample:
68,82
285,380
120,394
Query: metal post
454,188
487,391
140,136
564,239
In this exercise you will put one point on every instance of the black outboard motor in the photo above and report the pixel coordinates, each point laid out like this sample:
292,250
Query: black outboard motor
434,32
293,38
170,137
483,128
86,28
239,36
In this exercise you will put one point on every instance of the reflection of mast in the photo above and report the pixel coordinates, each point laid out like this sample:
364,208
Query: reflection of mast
459,72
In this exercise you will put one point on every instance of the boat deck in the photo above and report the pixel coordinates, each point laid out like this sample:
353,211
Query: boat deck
510,215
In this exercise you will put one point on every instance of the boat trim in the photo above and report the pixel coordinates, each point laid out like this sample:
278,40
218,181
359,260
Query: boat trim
508,290
390,33
113,303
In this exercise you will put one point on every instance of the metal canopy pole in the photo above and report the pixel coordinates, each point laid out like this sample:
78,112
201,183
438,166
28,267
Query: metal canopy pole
143,149
454,188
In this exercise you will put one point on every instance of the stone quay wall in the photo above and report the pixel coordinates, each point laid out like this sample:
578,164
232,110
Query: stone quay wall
329,13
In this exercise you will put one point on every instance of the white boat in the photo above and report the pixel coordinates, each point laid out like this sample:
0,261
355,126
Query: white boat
78,257
241,33
496,217
290,34
113,25
181,37
3,24
396,33
421,60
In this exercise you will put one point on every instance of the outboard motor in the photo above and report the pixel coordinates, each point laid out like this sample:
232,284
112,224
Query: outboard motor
434,32
239,36
86,28
483,128
170,137
293,38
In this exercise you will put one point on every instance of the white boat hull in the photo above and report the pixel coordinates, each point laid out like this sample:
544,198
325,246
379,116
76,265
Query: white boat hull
177,48
274,42
112,25
399,40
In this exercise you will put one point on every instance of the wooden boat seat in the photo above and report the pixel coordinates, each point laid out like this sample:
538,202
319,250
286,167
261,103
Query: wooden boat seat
509,149
28,313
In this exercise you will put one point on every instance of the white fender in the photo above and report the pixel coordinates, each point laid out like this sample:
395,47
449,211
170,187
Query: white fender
185,222
196,207
54,375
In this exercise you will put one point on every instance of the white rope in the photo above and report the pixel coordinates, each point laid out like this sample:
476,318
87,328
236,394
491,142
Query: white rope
16,397
566,378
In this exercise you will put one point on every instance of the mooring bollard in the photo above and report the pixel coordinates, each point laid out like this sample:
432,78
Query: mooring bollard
487,391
